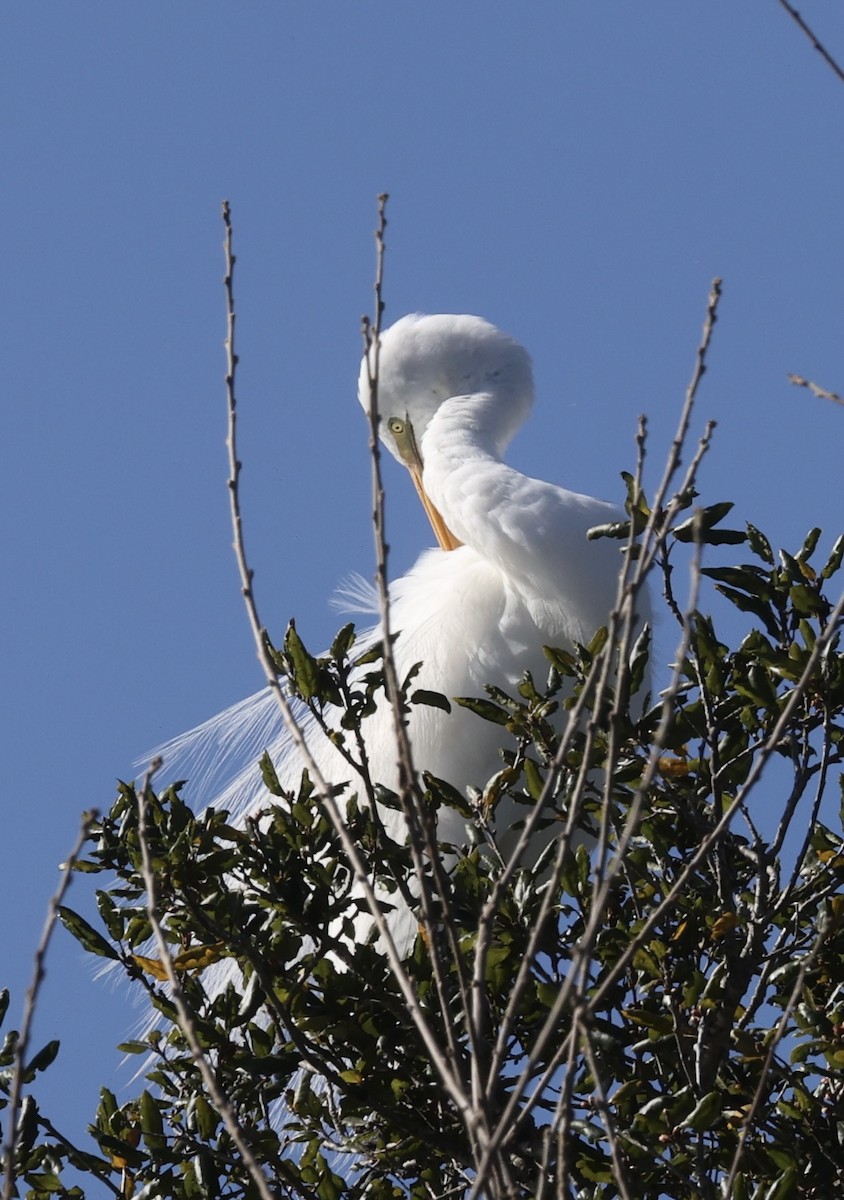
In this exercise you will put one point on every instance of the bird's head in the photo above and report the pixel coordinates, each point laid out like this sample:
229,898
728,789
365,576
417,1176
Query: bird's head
424,361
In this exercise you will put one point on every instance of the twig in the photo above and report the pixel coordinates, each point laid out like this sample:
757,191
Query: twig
788,814
659,523
673,461
778,1034
766,751
602,1107
30,1002
449,1078
185,1018
421,829
768,748
815,389
513,1113
821,49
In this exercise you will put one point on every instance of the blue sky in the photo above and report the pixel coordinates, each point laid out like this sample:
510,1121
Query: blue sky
576,172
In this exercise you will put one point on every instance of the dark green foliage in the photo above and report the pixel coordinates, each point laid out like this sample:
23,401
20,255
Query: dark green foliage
663,1025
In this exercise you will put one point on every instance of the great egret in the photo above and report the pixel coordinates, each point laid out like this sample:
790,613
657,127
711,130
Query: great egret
514,571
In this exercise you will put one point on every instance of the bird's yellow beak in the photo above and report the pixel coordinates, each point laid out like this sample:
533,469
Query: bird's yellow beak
403,436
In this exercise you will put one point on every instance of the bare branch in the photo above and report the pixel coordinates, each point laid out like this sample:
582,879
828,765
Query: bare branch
602,1107
821,49
673,461
422,834
445,1070
30,1004
779,1032
815,389
659,523
186,1021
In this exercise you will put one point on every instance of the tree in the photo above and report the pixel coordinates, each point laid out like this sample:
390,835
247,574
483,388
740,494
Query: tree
666,1021
661,1016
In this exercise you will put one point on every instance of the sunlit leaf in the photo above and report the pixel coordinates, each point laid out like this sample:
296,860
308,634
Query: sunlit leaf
723,925
152,966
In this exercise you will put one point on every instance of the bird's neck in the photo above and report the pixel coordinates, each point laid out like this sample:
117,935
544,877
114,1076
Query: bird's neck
464,428
534,532
463,472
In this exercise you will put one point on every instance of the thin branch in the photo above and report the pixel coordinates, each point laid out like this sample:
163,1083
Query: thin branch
785,820
30,1003
262,644
766,751
673,461
421,828
602,1108
779,1032
598,909
185,1017
815,389
819,46
659,523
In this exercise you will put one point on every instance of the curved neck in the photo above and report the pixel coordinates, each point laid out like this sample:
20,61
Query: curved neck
533,531
465,427
462,468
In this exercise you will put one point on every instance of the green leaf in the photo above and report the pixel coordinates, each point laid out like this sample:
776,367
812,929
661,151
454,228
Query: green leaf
598,642
431,699
720,537
639,659
447,794
662,1022
107,1106
808,548
45,1184
806,600
783,1158
205,1172
27,1129
304,667
784,1188
484,708
111,915
343,642
207,1118
636,504
269,776
152,1125
836,556
615,529
741,1188
760,545
44,1057
133,1047
563,660
750,579
751,604
84,933
705,1113
702,521
700,527
534,779
374,654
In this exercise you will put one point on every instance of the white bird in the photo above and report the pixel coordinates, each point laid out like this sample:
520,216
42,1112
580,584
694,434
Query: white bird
514,571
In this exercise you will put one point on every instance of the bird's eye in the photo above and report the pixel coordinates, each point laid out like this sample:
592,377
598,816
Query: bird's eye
397,426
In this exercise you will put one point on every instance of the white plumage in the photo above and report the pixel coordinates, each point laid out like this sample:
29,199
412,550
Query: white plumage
452,391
